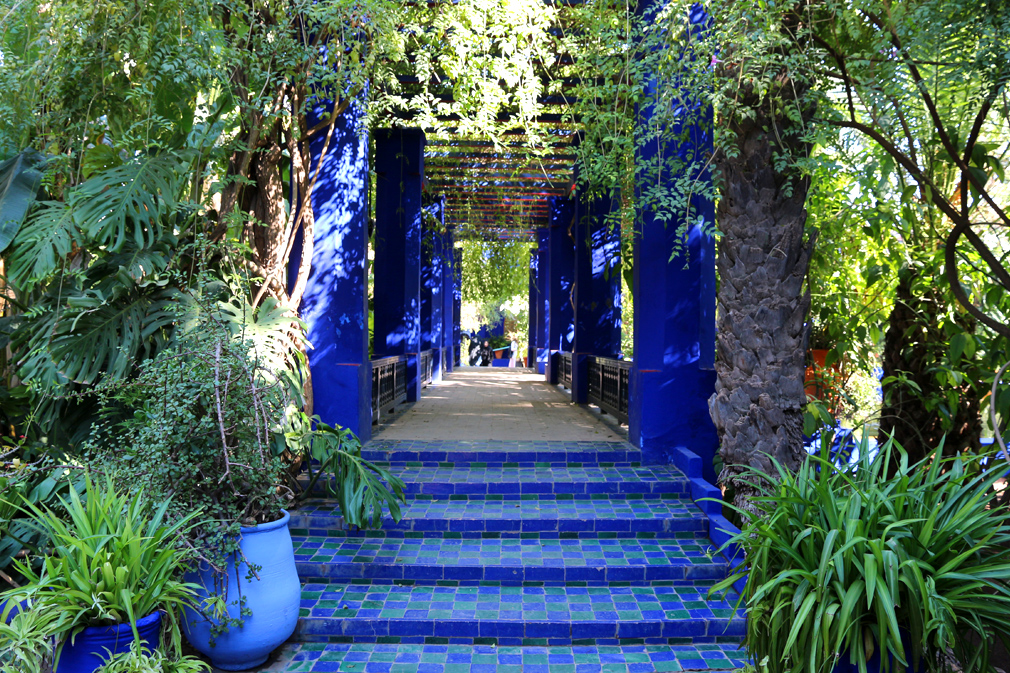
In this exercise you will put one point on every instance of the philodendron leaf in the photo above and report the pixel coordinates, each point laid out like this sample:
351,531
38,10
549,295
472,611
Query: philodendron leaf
19,184
127,201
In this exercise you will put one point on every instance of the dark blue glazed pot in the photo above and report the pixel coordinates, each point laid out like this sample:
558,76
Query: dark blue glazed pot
274,599
95,645
844,665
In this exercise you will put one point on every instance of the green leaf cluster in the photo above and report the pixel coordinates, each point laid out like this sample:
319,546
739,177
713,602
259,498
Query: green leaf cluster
115,558
905,559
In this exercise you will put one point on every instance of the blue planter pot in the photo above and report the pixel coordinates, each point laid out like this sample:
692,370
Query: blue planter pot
844,665
16,609
95,645
274,599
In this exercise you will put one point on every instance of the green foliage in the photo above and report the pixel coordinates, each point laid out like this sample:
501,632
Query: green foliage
199,422
19,183
334,456
26,642
115,559
127,201
842,563
139,659
494,272
37,486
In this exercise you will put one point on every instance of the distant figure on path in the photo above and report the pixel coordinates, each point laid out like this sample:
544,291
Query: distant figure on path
514,351
485,354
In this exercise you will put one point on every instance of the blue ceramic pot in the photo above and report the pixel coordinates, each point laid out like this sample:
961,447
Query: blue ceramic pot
16,609
274,599
844,665
95,645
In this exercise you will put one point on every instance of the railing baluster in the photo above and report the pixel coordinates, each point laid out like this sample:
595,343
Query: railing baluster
608,385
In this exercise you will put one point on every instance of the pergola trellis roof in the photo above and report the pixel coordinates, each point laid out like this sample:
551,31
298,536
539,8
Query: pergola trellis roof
498,192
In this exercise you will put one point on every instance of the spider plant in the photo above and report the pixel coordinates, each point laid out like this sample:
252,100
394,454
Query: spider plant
111,561
906,561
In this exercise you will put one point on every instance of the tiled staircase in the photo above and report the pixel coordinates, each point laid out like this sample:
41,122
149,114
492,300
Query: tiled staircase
516,556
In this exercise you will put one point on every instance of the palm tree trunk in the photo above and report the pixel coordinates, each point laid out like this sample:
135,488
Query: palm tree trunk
763,301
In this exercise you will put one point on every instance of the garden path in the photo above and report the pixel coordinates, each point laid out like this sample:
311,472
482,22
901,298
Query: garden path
482,403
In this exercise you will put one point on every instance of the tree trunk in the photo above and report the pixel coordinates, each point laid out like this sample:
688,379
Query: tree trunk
762,302
913,345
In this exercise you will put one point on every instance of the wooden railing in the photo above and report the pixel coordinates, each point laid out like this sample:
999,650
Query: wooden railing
608,385
425,366
389,383
565,369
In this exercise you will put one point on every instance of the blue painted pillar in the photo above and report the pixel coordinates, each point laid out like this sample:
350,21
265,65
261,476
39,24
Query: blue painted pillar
672,376
335,303
457,299
597,289
447,301
543,355
431,288
534,301
399,168
561,325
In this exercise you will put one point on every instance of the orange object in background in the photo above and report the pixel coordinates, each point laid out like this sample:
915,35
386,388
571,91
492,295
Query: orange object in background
822,382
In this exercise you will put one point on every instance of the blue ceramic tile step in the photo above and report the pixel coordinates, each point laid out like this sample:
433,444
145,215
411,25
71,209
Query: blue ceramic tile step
498,453
561,615
542,480
405,658
596,561
321,517
538,479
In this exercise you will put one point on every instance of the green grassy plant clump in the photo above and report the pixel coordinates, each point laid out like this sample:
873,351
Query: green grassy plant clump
113,558
843,563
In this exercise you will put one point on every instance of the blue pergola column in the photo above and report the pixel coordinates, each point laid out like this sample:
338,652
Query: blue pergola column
673,374
399,167
561,320
335,303
597,290
534,301
448,304
431,289
457,299
543,354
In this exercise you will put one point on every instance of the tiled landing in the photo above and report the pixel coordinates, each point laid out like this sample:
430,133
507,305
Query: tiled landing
516,556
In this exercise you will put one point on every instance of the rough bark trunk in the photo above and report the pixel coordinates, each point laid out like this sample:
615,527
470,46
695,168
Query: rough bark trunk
763,303
913,344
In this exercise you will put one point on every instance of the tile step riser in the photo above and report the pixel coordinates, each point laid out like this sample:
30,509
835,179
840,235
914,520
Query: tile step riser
734,642
372,536
498,458
325,526
600,575
556,633
505,491
529,656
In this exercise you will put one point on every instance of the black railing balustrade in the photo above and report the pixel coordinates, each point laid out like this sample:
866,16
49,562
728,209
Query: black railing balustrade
565,370
389,384
608,385
425,366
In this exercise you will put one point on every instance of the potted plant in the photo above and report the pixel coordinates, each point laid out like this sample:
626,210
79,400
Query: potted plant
881,565
112,573
213,420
